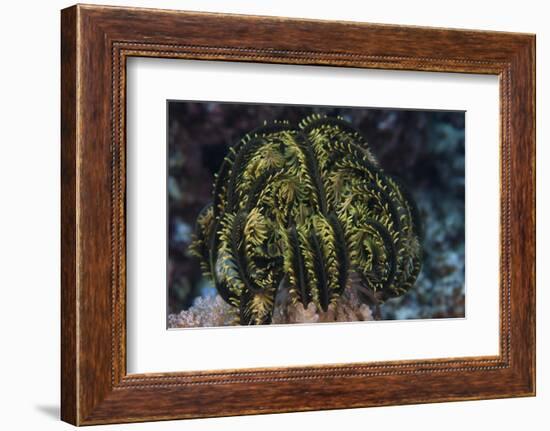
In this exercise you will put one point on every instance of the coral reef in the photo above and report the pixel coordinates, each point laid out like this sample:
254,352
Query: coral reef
439,289
424,148
206,311
306,210
213,311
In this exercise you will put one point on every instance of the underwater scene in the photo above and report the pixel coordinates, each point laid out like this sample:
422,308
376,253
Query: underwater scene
282,214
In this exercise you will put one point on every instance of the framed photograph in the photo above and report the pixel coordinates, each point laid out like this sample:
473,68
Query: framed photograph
264,214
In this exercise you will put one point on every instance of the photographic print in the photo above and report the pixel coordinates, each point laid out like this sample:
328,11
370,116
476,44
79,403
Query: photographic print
284,214
269,212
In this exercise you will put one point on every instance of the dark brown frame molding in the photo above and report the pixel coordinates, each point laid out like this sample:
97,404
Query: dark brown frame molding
95,43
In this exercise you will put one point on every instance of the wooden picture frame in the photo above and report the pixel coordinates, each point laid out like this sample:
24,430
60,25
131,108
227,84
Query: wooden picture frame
95,43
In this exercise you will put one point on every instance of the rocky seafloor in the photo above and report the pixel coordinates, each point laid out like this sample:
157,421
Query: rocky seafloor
425,149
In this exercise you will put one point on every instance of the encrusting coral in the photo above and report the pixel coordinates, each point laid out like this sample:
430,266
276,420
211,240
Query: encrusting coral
306,211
